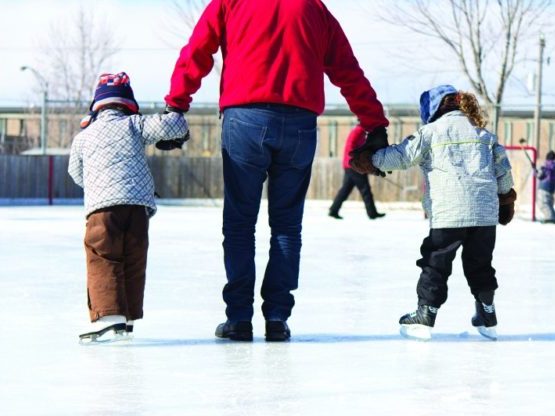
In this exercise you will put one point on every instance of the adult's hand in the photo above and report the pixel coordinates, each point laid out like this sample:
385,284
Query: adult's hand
361,157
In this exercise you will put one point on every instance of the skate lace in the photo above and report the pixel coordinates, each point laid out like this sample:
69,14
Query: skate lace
488,308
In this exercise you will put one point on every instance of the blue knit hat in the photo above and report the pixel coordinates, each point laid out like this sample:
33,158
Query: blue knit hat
114,89
111,89
431,100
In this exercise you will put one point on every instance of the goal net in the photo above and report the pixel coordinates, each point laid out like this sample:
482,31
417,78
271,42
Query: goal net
522,158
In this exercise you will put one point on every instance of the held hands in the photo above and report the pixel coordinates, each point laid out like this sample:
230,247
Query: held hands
361,157
506,207
174,143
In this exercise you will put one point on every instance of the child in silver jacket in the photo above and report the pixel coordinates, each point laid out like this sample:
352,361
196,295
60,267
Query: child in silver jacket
108,160
468,191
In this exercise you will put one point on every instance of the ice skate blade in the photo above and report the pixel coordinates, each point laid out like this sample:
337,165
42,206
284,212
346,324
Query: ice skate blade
106,339
416,332
490,333
107,335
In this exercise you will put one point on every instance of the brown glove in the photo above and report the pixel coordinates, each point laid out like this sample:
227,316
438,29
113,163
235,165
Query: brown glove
506,207
361,157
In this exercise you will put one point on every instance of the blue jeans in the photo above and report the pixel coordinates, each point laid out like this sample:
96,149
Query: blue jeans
258,142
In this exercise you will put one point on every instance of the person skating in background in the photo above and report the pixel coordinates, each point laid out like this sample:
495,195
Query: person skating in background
108,161
275,55
352,178
546,187
468,191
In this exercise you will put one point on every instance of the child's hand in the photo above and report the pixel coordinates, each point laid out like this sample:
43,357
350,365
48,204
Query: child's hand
173,144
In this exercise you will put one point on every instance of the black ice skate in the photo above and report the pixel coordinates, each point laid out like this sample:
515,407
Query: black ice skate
418,324
485,320
236,331
107,329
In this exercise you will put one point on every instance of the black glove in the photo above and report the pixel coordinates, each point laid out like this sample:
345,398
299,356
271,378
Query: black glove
174,143
170,109
507,207
361,157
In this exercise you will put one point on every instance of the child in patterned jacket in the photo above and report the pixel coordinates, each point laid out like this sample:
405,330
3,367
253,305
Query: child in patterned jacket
468,191
108,161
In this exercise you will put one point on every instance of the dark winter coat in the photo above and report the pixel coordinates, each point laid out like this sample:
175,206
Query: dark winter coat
547,176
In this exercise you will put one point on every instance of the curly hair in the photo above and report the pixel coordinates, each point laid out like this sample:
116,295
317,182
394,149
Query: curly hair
468,104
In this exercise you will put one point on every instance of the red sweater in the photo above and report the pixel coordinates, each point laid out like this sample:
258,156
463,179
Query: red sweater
274,51
356,138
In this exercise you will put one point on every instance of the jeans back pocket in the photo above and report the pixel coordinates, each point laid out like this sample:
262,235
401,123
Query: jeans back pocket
303,154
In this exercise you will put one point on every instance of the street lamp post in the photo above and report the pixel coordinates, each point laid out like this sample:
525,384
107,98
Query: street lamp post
538,110
44,107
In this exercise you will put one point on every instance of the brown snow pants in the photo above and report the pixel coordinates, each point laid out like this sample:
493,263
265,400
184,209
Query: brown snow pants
116,245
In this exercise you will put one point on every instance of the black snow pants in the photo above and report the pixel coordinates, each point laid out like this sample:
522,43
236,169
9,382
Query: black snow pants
438,252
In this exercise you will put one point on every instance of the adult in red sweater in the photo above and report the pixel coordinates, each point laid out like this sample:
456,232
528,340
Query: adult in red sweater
352,178
275,54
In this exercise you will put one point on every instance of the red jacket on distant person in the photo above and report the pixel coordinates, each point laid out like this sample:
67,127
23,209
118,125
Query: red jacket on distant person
272,56
355,139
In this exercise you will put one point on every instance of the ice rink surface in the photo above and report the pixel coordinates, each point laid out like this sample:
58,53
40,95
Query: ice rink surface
346,356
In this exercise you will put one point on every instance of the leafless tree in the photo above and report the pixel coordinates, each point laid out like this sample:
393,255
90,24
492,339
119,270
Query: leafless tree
486,37
74,54
185,16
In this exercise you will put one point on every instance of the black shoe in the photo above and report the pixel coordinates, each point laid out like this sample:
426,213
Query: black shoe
424,315
236,331
277,331
335,215
376,215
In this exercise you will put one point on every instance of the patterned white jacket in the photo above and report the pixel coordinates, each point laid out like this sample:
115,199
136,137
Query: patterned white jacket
464,167
108,158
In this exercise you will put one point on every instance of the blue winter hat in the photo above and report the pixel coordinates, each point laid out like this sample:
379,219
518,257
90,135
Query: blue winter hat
114,89
431,100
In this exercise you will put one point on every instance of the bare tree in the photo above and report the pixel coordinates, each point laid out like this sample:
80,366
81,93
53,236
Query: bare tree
484,36
74,55
185,16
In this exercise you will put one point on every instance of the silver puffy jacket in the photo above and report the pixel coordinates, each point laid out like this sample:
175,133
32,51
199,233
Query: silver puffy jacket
108,158
464,170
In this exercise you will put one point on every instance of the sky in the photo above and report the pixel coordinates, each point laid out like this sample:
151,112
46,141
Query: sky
397,63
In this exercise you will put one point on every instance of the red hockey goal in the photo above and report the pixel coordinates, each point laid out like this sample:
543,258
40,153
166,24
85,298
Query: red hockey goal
523,162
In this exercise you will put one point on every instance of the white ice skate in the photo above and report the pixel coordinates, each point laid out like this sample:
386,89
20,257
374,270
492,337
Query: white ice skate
129,329
488,332
109,328
417,332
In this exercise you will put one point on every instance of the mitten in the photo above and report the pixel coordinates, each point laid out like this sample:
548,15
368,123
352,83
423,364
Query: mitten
507,207
174,143
361,157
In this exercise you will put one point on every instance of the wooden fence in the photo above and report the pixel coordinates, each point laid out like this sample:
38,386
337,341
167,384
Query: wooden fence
45,177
